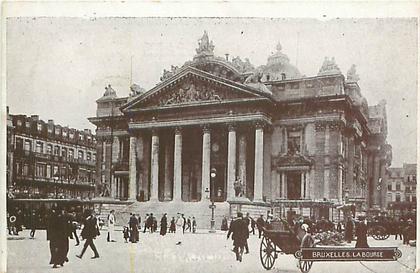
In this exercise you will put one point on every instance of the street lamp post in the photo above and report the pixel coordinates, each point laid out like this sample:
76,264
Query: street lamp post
212,206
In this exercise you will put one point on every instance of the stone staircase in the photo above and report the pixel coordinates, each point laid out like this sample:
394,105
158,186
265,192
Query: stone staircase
200,210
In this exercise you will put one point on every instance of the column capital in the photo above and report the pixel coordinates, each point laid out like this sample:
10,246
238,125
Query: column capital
178,130
231,127
206,128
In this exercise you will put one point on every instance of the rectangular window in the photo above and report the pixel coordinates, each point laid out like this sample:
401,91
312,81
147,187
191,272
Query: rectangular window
28,124
25,169
71,153
39,147
413,198
64,133
398,187
55,172
397,197
49,149
56,150
64,152
28,144
57,131
39,127
88,156
293,142
48,174
81,155
93,157
390,187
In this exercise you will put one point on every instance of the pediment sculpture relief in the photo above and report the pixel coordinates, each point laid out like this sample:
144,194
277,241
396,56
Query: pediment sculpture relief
190,92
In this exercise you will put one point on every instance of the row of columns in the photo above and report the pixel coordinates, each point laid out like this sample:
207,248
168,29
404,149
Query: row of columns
206,146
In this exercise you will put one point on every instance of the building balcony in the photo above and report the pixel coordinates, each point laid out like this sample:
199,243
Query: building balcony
32,181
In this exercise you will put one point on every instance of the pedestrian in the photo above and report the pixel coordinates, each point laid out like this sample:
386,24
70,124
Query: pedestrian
224,226
409,232
189,224
348,230
163,225
33,223
146,221
172,227
399,227
248,223
111,226
154,223
184,223
52,236
139,218
361,233
149,222
253,223
134,225
194,225
89,232
126,233
74,228
240,234
260,225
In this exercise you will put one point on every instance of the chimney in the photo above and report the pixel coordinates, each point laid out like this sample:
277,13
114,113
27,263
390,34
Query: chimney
227,57
50,122
34,117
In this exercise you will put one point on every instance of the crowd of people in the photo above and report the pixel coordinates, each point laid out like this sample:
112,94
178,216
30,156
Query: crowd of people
135,225
62,224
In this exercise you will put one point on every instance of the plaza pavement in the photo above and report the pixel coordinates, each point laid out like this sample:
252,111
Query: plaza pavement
201,252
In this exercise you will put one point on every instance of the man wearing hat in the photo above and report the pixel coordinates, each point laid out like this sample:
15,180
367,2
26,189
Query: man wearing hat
361,233
89,232
240,234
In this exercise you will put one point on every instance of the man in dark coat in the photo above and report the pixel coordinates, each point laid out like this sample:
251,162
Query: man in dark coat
184,223
247,221
33,223
146,223
361,233
240,234
348,231
163,225
134,228
89,232
52,236
260,225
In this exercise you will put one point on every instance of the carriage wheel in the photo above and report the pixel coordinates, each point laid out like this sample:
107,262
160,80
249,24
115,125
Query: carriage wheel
379,233
267,253
305,266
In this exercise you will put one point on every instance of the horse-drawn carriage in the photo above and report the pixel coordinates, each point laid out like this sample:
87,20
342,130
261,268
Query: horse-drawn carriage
279,238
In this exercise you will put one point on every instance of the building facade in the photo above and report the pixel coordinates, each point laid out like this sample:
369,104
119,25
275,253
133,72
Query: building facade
47,161
401,189
268,133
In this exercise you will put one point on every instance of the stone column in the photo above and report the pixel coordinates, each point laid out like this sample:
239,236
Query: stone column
231,162
307,196
259,158
302,185
283,185
154,177
205,165
167,189
242,161
178,166
340,184
132,169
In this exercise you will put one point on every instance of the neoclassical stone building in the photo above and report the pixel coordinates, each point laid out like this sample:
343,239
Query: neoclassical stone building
271,135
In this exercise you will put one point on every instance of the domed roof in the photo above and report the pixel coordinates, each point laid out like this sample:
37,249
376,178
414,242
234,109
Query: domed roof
278,66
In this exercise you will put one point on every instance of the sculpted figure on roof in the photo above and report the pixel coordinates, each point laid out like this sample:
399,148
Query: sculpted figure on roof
351,74
205,46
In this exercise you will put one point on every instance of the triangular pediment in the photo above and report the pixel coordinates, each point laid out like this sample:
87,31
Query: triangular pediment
193,86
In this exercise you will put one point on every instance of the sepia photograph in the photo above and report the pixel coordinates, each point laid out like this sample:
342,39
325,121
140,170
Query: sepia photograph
217,144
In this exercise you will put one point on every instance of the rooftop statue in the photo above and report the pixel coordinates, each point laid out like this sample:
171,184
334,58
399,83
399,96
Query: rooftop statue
169,73
242,66
351,74
329,67
109,91
205,46
136,90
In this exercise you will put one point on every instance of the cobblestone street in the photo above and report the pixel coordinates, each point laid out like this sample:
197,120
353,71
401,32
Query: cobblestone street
200,252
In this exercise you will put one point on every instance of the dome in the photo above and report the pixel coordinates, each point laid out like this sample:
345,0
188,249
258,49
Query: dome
278,67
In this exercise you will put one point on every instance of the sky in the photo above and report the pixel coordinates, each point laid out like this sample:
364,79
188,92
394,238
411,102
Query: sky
58,67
